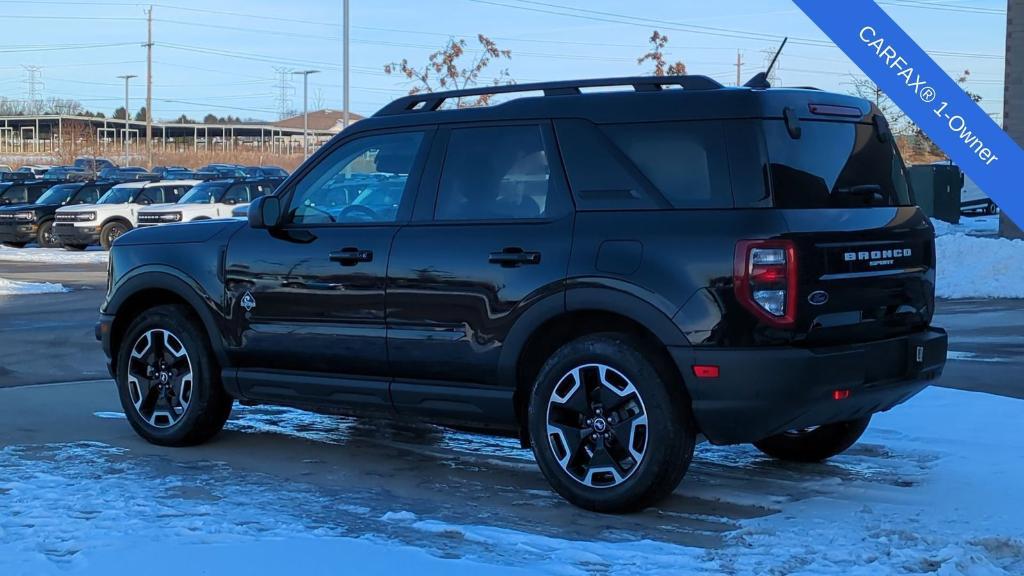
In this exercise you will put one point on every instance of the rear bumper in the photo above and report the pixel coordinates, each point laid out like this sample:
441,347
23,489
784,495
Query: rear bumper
18,232
70,234
764,391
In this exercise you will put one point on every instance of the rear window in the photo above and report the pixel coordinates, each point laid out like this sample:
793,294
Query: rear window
685,161
834,165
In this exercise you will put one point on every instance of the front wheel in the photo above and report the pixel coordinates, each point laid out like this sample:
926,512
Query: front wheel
610,430
814,444
167,381
111,232
46,237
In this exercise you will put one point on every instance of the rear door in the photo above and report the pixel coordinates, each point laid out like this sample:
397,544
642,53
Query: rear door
865,252
490,238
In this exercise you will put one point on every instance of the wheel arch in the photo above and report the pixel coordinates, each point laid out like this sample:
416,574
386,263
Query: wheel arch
119,219
550,324
152,288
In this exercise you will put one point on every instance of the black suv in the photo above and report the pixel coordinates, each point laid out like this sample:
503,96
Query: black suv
604,274
21,192
33,222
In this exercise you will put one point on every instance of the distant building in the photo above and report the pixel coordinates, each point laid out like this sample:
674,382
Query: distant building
323,120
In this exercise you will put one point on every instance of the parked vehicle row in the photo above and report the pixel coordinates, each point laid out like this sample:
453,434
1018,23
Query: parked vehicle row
80,212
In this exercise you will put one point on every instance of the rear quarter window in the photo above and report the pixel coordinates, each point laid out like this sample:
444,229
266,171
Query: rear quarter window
834,165
686,162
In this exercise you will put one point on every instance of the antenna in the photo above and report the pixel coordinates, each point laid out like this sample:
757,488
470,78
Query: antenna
760,80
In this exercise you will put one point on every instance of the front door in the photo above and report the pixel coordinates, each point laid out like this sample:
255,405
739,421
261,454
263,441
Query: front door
494,242
308,298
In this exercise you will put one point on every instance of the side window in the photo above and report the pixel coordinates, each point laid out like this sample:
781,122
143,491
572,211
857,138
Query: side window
174,193
261,189
686,161
362,181
18,194
148,196
87,195
238,194
33,194
495,173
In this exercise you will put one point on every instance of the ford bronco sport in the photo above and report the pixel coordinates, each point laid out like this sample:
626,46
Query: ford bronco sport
34,222
606,275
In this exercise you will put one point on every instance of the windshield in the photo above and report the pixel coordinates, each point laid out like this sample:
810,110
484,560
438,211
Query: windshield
834,165
205,193
119,195
58,194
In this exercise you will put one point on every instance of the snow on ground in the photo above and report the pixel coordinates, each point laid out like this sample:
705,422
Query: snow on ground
969,266
13,287
52,255
977,225
933,488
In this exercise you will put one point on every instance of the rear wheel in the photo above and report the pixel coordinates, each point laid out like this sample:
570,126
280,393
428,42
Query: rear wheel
45,237
610,431
814,444
111,232
75,247
15,244
167,381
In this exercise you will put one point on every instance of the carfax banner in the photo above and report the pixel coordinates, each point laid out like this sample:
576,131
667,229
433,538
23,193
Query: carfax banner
933,100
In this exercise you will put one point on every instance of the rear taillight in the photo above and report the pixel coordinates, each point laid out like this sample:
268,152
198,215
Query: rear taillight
765,279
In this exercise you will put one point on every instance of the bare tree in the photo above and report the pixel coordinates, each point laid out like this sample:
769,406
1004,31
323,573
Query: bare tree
318,99
446,69
657,56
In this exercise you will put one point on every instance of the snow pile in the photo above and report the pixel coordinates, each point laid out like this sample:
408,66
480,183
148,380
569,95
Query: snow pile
973,267
978,225
13,287
52,255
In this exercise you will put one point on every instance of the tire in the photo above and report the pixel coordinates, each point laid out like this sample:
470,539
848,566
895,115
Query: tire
816,444
991,209
45,237
649,458
152,404
110,232
76,247
15,244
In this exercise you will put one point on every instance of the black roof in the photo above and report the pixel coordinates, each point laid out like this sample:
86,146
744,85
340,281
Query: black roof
650,98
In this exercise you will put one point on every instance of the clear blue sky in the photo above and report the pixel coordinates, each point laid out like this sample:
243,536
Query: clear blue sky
220,55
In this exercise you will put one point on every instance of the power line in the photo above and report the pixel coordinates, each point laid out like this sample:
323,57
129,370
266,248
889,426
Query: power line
943,7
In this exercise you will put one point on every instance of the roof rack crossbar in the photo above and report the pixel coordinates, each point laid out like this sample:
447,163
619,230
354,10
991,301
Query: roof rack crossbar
431,101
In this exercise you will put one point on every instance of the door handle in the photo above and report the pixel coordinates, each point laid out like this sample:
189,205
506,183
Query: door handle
351,256
514,257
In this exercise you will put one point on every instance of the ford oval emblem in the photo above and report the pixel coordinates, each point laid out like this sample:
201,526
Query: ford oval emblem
818,297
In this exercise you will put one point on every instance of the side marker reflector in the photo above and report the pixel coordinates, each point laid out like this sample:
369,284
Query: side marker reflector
705,371
840,394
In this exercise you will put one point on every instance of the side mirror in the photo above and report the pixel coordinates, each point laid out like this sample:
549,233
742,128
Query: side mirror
265,212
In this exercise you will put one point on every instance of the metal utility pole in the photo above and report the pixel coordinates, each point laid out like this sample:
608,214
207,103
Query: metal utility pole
739,69
344,23
127,116
1013,94
305,109
149,87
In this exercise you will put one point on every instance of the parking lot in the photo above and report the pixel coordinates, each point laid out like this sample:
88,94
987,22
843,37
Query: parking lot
76,474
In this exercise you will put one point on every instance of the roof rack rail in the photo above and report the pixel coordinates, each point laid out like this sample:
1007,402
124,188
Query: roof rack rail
430,101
